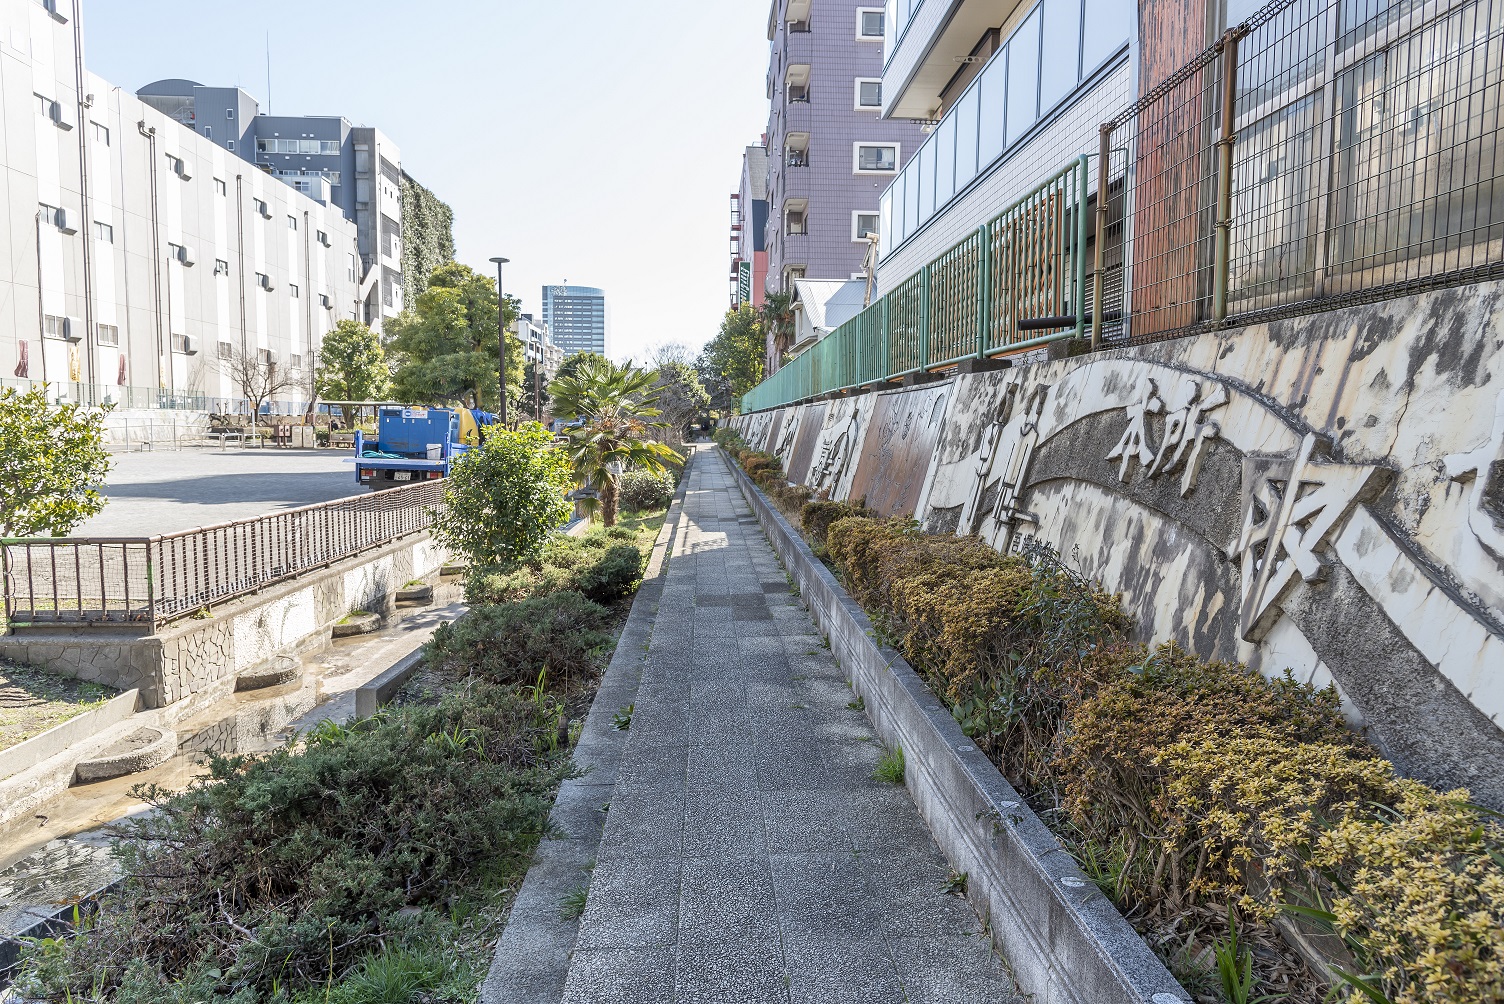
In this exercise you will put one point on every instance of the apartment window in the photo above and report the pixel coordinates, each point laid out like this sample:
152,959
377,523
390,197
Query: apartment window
221,267
229,113
295,361
219,186
104,232
101,133
183,345
306,147
267,359
863,224
292,290
54,326
872,158
107,334
230,144
226,350
208,132
263,280
869,24
352,268
260,206
869,93
292,223
323,238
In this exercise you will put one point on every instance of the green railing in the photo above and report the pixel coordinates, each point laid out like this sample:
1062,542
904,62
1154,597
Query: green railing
1016,282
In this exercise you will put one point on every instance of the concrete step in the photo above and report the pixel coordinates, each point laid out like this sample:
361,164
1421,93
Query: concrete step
283,669
134,748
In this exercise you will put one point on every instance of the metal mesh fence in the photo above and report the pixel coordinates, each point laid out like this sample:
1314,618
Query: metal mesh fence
1322,152
154,581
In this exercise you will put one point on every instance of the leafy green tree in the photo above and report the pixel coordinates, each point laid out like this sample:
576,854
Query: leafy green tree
504,498
55,462
733,361
352,366
444,349
616,404
681,397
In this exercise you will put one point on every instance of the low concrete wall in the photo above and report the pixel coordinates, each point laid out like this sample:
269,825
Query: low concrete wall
28,754
1066,942
198,660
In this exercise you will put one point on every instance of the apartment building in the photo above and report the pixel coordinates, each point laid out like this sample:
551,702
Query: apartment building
577,317
538,345
142,259
356,169
749,223
831,153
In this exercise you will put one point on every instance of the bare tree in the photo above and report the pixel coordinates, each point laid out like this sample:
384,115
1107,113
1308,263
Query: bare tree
671,353
260,377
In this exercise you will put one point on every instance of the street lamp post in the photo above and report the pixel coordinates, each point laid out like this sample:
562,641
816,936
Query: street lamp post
501,337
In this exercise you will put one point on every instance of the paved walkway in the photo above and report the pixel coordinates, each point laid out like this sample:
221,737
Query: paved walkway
748,855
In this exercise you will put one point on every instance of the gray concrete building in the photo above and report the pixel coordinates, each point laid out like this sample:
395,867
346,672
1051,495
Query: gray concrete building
140,260
356,169
830,153
577,317
538,345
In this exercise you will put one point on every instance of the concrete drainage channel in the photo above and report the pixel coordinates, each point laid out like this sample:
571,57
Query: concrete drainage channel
76,777
1066,942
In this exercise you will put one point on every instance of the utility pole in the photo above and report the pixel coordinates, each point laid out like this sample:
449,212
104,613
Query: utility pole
501,337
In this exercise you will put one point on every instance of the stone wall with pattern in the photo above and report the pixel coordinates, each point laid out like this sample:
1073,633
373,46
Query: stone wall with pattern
1322,494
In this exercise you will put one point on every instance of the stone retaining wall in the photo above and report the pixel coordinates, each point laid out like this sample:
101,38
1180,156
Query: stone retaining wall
200,659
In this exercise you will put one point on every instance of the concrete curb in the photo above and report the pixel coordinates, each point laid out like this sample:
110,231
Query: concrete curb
531,963
60,737
158,750
1066,942
371,696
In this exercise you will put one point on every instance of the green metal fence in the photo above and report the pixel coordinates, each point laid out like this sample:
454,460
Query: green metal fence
1016,282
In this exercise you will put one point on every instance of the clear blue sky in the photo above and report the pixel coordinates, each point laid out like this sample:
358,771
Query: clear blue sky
586,140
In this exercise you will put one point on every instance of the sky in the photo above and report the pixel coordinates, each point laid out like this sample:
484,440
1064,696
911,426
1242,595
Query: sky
589,141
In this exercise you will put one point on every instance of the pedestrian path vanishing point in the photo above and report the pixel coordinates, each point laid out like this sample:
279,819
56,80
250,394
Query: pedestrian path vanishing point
747,853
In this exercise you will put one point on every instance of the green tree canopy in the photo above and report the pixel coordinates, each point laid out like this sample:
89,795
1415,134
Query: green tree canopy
732,362
502,499
55,463
444,348
619,430
352,366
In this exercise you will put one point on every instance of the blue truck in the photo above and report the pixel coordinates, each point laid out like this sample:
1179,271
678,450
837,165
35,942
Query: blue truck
416,444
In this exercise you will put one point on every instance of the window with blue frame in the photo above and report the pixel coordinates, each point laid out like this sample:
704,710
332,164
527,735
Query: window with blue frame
1042,63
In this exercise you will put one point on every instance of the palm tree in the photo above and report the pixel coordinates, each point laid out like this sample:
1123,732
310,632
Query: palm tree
615,407
778,318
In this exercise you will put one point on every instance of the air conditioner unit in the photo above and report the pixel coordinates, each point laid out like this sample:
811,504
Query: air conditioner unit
61,116
323,238
190,345
266,211
325,301
67,221
184,171
185,255
73,329
267,283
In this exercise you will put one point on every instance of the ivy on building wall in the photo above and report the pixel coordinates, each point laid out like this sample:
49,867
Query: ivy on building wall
427,237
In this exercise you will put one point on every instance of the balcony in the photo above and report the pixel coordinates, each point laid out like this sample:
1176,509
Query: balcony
936,42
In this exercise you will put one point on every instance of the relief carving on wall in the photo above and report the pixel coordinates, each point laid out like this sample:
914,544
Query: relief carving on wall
1484,469
786,434
1010,443
1292,511
1187,429
835,453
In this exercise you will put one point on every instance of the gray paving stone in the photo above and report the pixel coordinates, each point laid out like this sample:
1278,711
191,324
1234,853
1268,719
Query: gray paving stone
748,855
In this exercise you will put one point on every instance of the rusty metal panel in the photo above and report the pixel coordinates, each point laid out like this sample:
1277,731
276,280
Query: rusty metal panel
810,425
898,448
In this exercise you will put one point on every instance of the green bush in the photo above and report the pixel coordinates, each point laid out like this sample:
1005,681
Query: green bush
290,867
645,490
504,499
560,637
817,516
605,565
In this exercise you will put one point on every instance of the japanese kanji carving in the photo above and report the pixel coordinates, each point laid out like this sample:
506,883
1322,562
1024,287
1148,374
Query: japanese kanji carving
1483,468
1135,441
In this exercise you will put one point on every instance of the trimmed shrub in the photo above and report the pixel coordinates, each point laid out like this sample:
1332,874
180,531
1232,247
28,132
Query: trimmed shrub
817,516
646,490
563,634
290,866
605,565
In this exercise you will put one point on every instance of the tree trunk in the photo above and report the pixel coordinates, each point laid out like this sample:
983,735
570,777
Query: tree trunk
608,500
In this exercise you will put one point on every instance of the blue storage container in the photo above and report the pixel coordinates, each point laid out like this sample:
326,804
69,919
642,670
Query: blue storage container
410,431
